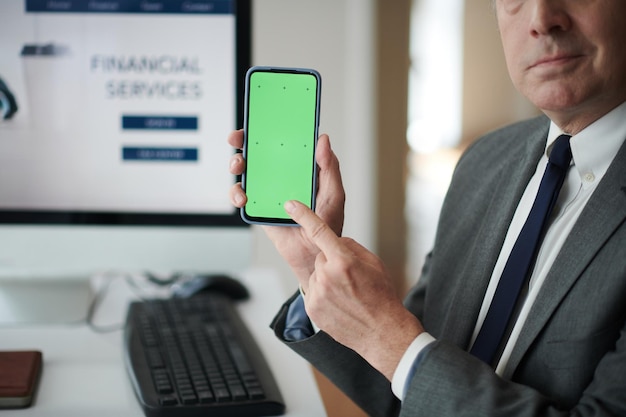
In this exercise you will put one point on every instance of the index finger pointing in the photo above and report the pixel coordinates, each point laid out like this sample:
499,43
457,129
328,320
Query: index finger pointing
315,228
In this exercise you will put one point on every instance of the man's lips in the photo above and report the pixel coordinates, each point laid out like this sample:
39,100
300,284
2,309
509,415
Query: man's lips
554,60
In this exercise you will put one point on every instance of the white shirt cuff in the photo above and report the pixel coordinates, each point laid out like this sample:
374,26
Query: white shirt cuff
405,370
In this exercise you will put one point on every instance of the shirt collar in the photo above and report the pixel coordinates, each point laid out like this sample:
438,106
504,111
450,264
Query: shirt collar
594,147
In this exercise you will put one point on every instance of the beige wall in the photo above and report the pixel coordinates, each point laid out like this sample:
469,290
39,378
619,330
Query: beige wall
489,98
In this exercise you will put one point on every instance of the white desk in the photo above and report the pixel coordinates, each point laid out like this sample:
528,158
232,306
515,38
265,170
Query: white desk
84,374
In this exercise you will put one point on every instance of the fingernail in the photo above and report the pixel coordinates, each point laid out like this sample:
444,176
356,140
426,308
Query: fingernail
238,199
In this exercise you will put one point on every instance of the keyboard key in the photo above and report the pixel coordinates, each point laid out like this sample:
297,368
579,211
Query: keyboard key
222,394
168,400
206,396
189,398
237,392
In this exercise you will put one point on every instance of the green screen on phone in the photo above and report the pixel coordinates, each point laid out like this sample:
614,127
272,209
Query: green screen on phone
281,132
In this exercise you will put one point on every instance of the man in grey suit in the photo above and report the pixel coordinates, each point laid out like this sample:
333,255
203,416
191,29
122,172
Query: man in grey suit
565,349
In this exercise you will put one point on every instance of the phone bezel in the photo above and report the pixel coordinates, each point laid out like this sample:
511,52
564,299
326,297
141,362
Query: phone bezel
275,221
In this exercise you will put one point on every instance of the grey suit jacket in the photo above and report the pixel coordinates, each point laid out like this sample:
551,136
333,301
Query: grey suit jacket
570,358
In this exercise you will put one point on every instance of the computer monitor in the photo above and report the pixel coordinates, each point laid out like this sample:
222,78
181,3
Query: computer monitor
113,123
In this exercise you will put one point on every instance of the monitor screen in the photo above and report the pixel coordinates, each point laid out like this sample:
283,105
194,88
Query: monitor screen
113,123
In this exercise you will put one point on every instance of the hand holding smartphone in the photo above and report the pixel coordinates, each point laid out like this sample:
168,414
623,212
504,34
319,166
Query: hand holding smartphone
281,119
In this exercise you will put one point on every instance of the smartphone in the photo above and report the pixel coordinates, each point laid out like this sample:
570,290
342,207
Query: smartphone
281,120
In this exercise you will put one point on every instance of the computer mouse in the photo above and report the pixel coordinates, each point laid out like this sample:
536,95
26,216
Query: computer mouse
219,283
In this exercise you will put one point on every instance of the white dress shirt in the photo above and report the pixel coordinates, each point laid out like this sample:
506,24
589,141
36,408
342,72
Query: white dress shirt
593,150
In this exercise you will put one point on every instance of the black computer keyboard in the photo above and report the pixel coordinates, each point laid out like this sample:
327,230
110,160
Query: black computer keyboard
194,356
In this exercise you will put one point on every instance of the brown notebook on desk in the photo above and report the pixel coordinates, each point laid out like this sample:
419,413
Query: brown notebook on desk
19,375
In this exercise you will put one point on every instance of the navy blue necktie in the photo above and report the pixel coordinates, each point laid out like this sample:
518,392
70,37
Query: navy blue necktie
522,258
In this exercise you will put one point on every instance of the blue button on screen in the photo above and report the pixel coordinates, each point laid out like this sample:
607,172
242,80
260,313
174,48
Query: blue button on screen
160,122
131,153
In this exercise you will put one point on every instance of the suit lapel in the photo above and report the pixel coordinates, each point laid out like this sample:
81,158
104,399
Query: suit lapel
604,213
471,288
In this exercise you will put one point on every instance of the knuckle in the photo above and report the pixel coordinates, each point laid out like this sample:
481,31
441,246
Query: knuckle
346,266
317,230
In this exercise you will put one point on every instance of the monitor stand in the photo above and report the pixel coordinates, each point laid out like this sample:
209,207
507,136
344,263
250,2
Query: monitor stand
49,300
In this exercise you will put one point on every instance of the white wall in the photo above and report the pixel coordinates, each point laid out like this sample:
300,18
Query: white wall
336,37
